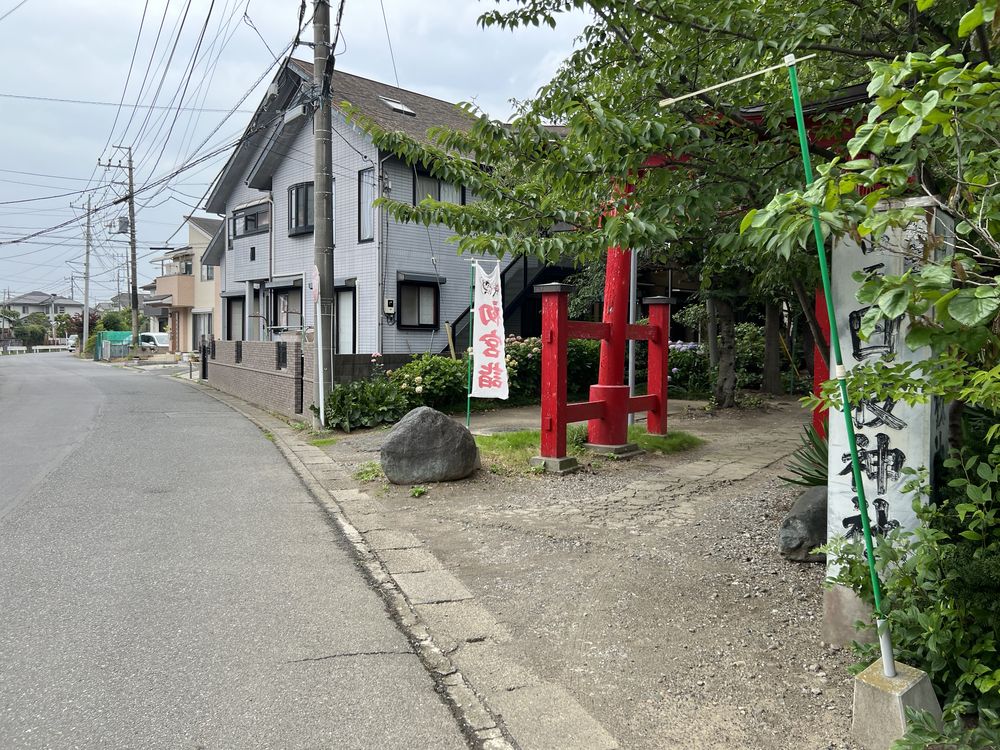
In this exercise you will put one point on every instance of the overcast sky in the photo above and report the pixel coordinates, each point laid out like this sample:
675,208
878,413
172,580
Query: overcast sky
81,50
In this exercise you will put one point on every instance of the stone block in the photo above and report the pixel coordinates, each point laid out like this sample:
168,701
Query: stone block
880,703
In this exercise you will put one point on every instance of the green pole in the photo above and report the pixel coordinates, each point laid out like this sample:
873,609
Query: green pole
468,354
888,664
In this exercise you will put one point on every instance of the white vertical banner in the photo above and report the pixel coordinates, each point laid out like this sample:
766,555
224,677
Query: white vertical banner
890,435
489,357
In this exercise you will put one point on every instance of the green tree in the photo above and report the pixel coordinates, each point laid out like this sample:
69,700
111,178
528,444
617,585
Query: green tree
715,161
117,320
33,329
931,132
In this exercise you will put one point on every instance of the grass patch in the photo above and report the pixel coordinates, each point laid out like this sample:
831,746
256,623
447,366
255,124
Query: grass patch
418,491
508,453
674,441
370,471
320,442
268,435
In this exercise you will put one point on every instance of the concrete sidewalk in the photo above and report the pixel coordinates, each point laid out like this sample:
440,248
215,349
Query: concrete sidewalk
500,701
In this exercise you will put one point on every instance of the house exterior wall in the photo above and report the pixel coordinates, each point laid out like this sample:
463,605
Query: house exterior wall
370,267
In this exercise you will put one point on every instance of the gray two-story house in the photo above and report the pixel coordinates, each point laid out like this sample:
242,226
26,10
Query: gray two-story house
396,285
50,305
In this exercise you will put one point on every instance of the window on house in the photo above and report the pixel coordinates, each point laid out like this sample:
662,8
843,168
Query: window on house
62,308
426,186
251,220
24,310
300,208
253,254
418,305
207,272
366,211
397,106
451,193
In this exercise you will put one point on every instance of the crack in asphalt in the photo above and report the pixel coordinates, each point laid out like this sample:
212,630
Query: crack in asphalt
353,653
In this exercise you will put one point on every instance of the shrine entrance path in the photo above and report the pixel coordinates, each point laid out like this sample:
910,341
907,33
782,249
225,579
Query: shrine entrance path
650,590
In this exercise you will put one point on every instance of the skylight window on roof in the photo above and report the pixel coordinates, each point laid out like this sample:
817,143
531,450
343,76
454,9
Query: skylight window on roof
397,106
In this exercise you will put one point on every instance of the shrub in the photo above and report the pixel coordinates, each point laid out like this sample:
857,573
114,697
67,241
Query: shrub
808,463
524,366
690,374
942,583
364,403
432,380
925,731
749,355
583,358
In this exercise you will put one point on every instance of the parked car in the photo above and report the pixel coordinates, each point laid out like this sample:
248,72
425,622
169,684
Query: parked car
153,342
71,342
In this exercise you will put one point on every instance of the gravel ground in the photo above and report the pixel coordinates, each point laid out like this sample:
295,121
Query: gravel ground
651,589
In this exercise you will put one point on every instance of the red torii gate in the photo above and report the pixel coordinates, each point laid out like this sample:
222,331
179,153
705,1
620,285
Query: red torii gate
610,403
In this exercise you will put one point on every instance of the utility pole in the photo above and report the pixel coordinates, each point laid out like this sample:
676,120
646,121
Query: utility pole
133,275
322,195
86,284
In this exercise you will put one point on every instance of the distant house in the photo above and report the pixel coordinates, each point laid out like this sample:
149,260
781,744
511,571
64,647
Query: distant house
50,305
186,290
395,285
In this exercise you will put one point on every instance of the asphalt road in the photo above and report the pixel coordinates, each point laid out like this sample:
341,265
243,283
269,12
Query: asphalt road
166,581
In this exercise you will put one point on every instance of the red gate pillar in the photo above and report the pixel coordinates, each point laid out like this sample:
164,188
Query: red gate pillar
657,365
610,432
555,337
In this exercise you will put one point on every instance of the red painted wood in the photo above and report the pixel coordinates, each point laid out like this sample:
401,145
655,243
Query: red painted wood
581,329
612,428
616,294
584,410
658,369
642,333
643,403
821,373
555,313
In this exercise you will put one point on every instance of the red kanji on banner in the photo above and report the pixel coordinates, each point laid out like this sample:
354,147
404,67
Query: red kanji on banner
490,375
490,313
492,342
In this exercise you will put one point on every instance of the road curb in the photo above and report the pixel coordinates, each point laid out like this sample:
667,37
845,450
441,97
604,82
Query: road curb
482,727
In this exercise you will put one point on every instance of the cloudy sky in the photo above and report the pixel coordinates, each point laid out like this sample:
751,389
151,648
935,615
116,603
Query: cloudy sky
82,50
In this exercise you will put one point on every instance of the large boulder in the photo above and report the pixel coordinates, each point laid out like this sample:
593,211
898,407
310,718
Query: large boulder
427,446
804,528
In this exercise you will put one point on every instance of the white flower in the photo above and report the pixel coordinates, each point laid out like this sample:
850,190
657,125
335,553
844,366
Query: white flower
418,389
418,379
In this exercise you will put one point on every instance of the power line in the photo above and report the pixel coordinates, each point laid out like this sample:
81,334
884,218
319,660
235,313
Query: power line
13,9
385,22
132,106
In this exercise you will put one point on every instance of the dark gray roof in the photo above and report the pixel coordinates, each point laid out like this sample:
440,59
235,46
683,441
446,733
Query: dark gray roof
206,225
364,94
41,298
216,247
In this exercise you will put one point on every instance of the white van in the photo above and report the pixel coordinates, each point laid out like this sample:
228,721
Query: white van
154,342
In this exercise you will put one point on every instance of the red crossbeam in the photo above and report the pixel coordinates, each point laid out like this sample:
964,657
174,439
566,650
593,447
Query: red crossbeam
581,329
584,410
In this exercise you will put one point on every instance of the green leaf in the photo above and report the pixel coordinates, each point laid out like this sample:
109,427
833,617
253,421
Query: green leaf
893,303
747,220
971,310
971,20
923,5
919,336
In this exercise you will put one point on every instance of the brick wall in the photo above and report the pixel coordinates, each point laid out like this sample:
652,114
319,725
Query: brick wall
257,379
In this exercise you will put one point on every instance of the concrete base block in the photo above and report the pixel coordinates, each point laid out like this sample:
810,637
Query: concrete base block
841,609
627,450
880,703
563,465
